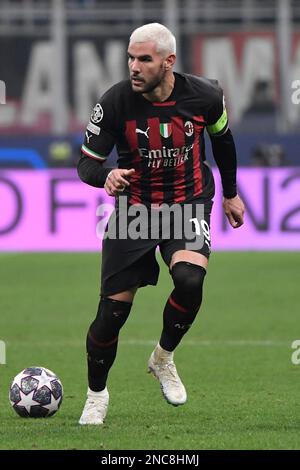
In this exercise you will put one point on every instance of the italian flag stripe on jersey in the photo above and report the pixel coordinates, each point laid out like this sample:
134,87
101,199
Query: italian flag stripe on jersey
91,154
165,130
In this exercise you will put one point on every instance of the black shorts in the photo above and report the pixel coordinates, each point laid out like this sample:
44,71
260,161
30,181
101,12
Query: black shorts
130,242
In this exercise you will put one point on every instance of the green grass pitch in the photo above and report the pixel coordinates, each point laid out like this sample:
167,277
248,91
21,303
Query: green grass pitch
243,390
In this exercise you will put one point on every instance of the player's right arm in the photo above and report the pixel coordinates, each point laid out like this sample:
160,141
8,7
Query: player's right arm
99,140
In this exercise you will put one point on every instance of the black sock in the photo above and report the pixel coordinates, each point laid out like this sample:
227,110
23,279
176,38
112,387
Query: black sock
102,340
100,360
183,304
176,322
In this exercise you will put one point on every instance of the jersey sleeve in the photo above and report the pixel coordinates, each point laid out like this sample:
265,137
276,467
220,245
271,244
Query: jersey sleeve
217,123
100,135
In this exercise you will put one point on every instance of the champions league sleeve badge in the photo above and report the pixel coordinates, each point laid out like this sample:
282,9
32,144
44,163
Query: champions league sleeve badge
97,114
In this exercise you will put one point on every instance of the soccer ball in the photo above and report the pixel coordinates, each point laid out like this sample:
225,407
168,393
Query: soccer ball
36,392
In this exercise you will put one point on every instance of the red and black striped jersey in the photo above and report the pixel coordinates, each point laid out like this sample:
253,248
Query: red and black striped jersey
162,141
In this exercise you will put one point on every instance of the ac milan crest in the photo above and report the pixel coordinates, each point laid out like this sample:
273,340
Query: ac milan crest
188,128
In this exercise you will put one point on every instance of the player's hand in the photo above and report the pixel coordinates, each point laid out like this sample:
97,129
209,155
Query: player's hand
116,181
234,209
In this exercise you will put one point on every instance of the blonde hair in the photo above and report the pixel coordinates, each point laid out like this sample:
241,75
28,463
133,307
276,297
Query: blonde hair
158,33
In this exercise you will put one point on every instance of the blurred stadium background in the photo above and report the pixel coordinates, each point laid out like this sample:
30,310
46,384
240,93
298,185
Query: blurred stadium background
56,59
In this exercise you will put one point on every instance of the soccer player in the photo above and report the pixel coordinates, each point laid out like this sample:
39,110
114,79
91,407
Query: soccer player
156,119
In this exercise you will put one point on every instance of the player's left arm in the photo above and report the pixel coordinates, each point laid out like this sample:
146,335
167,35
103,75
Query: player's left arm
224,153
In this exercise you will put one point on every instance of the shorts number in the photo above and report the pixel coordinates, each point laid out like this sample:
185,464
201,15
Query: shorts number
202,225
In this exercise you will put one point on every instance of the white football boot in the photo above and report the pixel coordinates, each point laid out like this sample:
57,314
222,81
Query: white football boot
95,407
162,366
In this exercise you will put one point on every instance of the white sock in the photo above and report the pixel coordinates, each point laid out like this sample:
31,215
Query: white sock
102,393
161,353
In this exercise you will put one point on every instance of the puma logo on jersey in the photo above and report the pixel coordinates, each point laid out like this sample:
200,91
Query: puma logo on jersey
88,136
139,131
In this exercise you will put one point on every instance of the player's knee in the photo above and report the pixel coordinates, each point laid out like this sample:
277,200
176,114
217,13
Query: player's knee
111,316
187,276
188,280
125,296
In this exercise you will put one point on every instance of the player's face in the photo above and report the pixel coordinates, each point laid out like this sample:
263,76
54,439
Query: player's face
146,66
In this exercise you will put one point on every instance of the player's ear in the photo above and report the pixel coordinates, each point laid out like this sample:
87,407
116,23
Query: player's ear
170,61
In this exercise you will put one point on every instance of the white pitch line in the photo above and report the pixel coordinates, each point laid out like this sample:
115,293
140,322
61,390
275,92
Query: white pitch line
239,342
153,342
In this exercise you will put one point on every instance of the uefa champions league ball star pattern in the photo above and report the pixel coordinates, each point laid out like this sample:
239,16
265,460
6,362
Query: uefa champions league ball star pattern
36,392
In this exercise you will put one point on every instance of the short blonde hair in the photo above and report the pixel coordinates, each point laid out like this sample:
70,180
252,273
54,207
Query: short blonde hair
159,34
